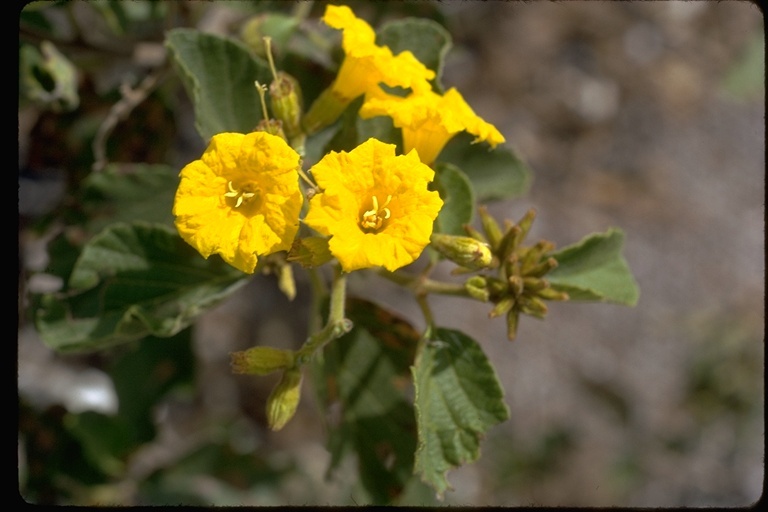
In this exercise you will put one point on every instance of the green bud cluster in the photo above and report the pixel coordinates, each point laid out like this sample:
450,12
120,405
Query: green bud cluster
519,285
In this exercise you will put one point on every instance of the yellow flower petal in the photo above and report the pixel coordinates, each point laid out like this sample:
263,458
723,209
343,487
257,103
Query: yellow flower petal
241,200
429,120
374,205
365,64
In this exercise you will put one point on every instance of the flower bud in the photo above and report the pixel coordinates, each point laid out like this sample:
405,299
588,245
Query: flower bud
491,227
526,222
497,287
261,360
552,294
513,318
534,284
541,268
533,306
531,256
509,242
502,307
463,250
516,285
285,99
284,399
477,287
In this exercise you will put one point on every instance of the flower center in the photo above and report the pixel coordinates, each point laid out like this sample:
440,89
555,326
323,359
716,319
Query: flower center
242,196
373,219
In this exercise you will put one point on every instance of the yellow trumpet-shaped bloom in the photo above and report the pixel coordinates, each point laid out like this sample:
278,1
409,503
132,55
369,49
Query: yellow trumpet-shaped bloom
364,67
365,64
241,200
429,120
374,205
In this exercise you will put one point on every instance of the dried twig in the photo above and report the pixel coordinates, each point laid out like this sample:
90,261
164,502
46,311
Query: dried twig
131,98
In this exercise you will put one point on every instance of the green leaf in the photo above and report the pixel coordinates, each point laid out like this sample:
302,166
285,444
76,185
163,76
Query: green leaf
280,27
164,365
365,375
219,75
113,13
458,199
426,39
132,192
59,463
63,253
47,78
32,17
105,440
458,398
595,270
381,128
494,173
130,281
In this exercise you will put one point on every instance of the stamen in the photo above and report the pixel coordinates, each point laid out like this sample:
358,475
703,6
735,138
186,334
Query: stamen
241,196
374,218
232,192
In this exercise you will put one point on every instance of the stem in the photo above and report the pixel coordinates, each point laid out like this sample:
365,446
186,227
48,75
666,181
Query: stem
427,312
131,98
336,326
262,89
423,285
268,45
319,292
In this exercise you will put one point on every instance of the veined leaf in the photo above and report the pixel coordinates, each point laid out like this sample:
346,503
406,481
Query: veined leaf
494,173
219,76
365,376
130,192
595,270
458,199
130,281
458,398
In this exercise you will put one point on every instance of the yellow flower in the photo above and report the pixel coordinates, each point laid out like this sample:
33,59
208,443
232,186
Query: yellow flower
429,120
241,199
364,67
374,205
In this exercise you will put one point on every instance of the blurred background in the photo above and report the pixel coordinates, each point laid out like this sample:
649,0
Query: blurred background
648,116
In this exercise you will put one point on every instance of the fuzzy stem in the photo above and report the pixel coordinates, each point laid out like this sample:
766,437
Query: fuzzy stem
336,326
423,285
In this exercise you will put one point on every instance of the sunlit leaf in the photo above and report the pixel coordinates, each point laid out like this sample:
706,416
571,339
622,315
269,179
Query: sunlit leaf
134,192
130,281
494,173
458,398
595,270
365,378
219,75
458,199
